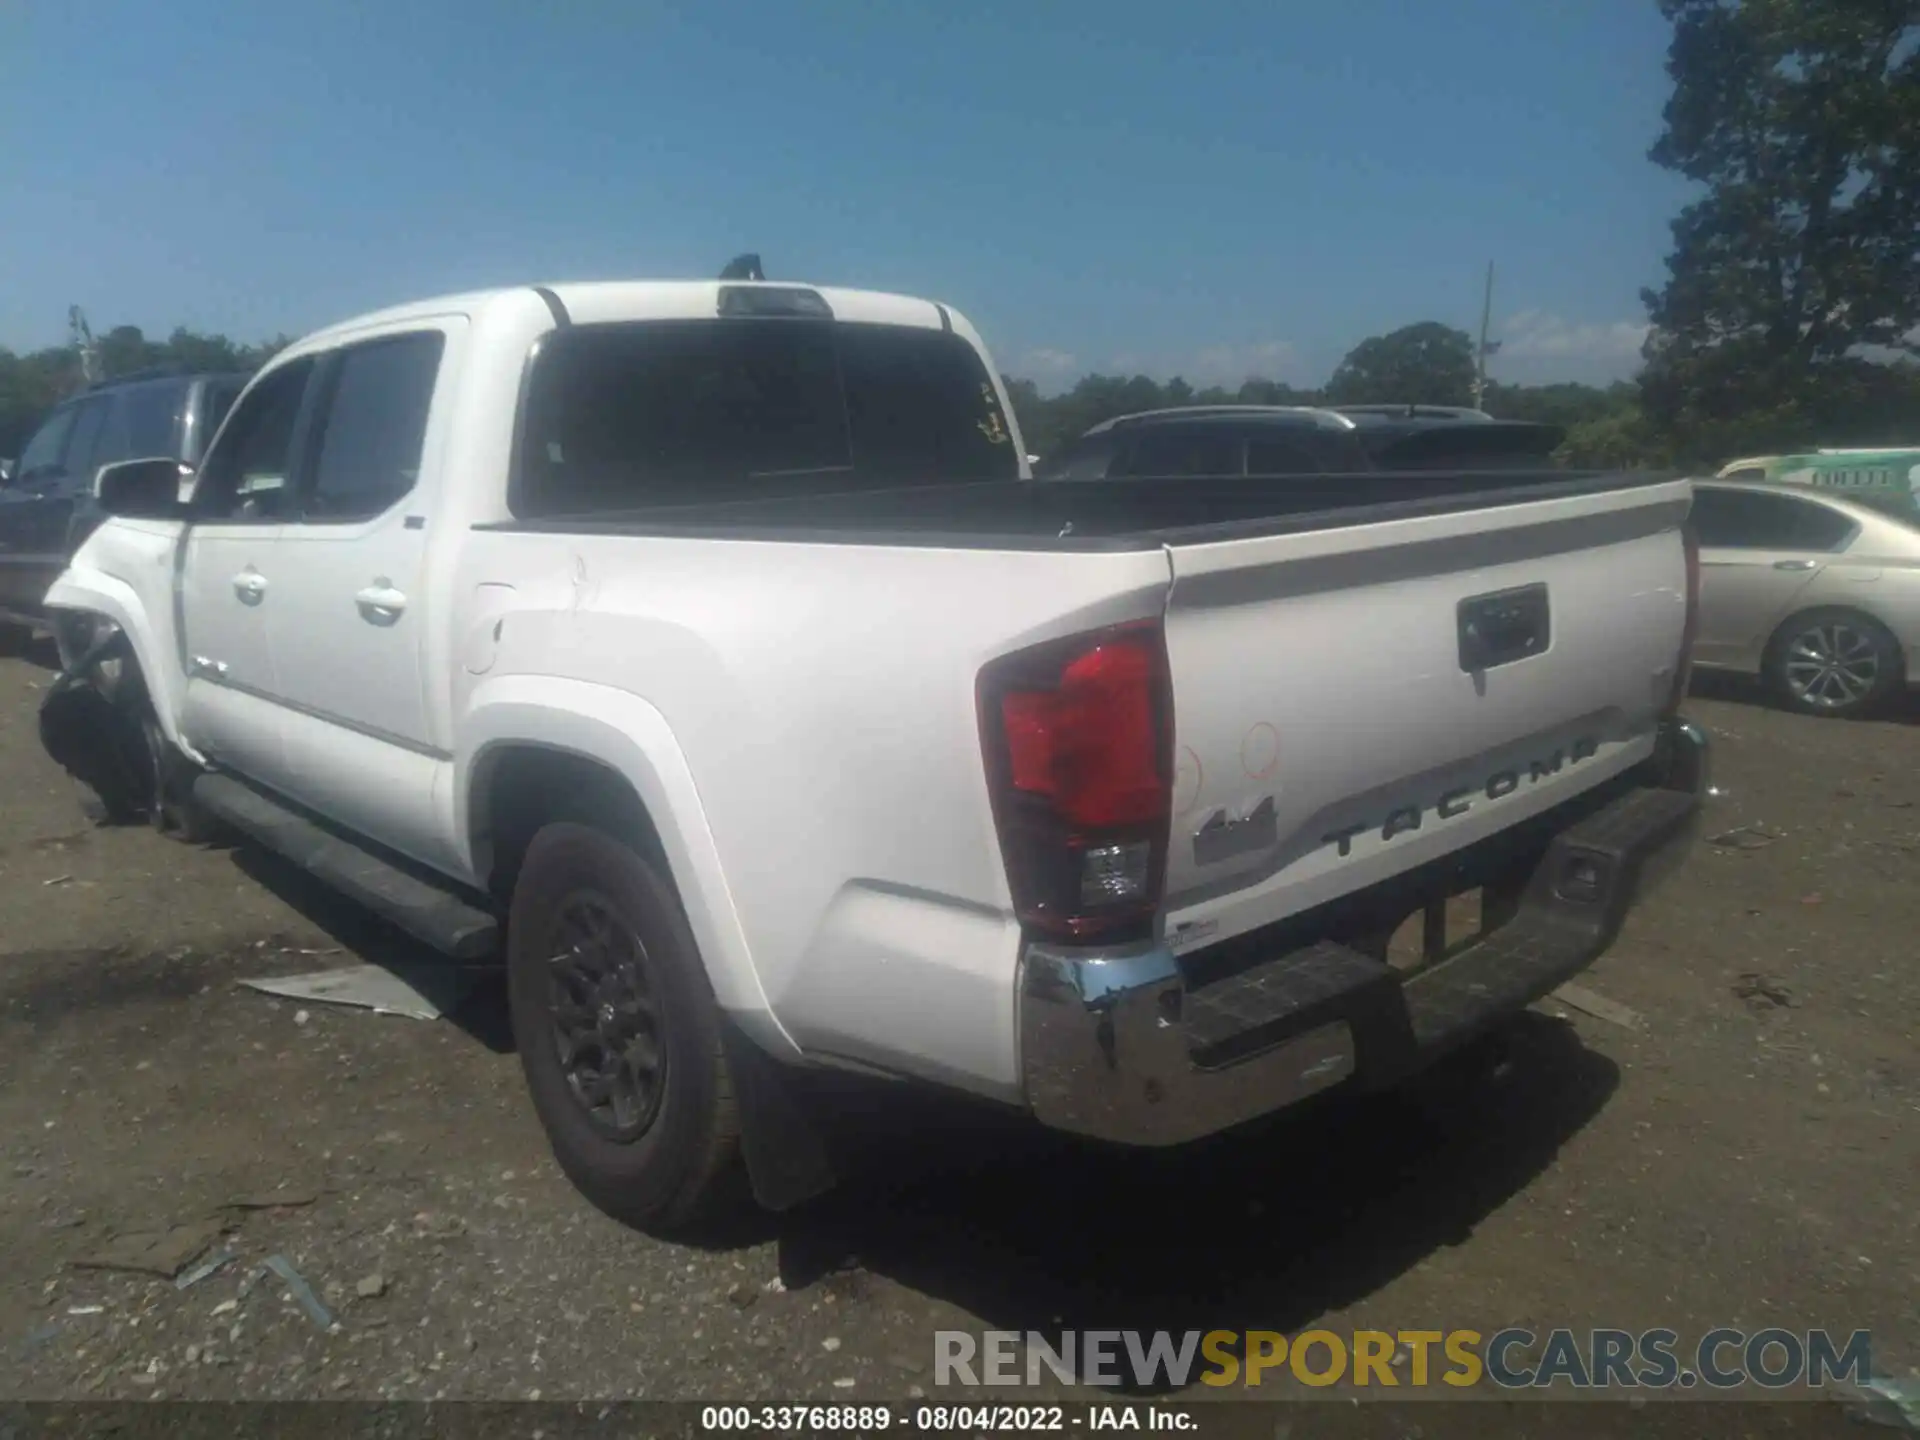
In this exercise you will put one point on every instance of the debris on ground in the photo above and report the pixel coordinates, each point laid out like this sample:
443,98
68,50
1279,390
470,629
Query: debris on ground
1889,1401
1762,991
419,992
370,1287
36,1337
154,1252
1744,837
273,1200
300,1290
1580,998
205,1270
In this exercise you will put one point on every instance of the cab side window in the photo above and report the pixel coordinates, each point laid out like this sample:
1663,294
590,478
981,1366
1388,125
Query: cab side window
375,426
247,473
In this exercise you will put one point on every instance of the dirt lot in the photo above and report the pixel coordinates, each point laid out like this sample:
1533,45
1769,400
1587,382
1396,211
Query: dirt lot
1747,1156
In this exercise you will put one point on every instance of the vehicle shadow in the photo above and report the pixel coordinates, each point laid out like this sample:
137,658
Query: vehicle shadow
1275,1224
477,995
972,1204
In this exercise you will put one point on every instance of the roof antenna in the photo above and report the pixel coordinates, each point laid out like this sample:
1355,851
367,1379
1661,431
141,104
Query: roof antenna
743,267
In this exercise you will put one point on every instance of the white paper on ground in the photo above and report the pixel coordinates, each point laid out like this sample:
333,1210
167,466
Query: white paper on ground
423,993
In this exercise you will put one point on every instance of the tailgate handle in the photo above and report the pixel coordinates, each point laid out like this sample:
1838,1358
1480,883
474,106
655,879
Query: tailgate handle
1503,626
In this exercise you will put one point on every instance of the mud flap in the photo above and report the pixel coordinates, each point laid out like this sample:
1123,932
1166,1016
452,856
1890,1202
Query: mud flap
787,1161
93,739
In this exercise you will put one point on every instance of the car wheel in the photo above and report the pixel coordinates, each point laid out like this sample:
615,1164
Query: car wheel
172,809
1833,662
618,1032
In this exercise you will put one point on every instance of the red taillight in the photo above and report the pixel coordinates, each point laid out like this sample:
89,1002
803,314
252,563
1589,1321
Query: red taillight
1077,737
1683,665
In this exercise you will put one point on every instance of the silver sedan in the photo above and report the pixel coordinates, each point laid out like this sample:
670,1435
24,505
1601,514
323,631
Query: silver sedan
1817,596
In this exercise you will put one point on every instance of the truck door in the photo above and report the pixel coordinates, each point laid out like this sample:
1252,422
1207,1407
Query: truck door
348,633
227,587
1759,552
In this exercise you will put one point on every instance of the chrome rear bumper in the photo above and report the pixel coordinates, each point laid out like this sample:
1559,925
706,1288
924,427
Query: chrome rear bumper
1120,1045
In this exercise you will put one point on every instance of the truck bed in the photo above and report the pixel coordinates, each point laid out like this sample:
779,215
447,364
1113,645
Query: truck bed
1129,514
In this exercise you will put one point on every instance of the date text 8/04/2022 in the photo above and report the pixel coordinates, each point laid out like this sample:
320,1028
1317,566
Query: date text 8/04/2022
941,1419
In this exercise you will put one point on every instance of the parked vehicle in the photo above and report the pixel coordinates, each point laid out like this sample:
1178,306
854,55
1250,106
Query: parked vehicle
1888,479
700,650
1222,440
1817,595
47,503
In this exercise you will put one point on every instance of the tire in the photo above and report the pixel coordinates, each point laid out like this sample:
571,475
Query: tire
172,811
135,773
1833,662
667,1159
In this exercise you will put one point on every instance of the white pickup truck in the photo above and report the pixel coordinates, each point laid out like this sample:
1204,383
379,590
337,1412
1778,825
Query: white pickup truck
704,652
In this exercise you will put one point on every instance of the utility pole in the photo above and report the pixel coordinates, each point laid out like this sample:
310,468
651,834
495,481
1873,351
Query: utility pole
83,342
1486,349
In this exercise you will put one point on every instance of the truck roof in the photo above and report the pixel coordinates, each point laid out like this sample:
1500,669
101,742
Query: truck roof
588,302
1316,415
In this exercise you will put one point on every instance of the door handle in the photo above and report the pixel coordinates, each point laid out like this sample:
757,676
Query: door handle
380,603
251,586
1795,564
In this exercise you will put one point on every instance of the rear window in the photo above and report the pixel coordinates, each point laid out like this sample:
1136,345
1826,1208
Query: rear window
1755,520
1479,445
655,413
1182,453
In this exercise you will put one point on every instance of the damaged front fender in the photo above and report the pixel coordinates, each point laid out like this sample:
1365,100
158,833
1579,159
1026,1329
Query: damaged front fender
93,732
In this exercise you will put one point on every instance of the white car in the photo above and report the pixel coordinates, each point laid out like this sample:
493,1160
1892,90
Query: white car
1816,595
699,650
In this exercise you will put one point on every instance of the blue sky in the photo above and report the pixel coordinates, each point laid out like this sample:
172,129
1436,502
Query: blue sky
1204,188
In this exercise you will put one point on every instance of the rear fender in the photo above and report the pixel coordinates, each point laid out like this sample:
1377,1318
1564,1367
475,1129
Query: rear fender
631,738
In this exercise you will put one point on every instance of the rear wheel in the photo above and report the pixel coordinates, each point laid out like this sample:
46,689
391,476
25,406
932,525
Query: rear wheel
618,1032
1833,662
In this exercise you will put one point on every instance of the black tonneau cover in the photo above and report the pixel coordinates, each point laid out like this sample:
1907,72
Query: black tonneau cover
1129,514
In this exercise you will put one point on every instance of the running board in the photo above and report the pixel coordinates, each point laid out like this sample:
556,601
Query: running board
426,911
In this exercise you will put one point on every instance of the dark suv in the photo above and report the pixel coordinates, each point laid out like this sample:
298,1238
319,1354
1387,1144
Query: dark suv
46,504
1218,440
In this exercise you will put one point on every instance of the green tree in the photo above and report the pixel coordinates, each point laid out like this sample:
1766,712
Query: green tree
1622,440
1800,119
1562,403
1427,363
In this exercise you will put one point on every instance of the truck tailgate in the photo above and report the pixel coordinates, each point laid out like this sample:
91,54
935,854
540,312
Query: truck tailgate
1333,727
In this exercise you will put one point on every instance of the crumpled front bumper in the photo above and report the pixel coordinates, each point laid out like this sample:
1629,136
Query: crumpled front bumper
1135,1046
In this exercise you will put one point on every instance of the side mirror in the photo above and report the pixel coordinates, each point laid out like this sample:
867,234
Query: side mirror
141,489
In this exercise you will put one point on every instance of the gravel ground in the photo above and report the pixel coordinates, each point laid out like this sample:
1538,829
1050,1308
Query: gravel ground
1745,1155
